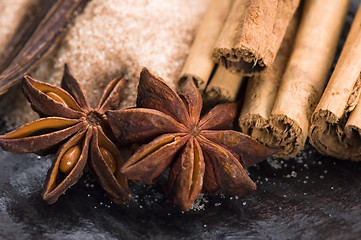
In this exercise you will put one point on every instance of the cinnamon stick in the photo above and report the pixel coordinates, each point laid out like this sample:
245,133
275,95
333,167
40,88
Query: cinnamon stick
252,34
335,124
199,64
304,78
223,87
262,89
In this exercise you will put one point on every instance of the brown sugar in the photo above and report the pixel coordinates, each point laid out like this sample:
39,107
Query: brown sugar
113,37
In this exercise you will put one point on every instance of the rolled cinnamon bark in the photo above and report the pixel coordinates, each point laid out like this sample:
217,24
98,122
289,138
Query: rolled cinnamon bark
199,64
336,122
261,92
305,76
252,34
223,87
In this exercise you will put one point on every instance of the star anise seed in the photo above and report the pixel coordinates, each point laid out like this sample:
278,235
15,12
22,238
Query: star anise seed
201,153
83,134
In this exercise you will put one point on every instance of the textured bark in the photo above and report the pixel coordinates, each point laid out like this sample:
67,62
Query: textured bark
223,87
335,123
199,64
304,79
252,34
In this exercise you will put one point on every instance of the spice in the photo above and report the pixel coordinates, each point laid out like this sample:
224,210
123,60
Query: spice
335,123
82,131
304,77
223,87
203,155
261,93
252,34
199,63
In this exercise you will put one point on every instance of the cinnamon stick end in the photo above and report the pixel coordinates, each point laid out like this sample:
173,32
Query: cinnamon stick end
277,132
331,137
238,61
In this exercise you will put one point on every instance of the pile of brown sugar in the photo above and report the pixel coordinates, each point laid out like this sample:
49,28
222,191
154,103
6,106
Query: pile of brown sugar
111,37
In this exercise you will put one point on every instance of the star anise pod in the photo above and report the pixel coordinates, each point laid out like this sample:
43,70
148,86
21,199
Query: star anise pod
79,132
201,153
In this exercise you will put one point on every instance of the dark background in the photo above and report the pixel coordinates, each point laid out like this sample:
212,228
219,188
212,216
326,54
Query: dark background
306,197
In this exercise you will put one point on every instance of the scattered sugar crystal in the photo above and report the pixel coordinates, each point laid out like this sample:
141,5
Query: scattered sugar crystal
274,163
293,174
199,203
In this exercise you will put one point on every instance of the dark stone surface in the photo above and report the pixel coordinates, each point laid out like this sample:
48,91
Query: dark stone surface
306,197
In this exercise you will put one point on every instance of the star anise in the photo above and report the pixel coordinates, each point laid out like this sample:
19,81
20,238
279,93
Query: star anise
201,153
82,132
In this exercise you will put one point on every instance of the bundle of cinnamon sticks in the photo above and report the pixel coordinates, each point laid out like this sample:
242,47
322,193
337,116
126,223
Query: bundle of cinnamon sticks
242,36
282,51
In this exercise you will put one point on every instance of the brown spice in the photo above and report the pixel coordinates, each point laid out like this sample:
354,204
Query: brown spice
335,124
252,34
286,109
203,155
199,63
82,132
223,87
